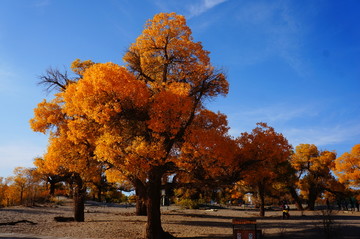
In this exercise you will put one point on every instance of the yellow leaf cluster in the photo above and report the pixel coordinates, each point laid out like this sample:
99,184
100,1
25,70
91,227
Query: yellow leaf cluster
108,83
110,147
165,52
46,115
169,111
148,153
308,157
304,153
207,145
79,67
348,167
267,150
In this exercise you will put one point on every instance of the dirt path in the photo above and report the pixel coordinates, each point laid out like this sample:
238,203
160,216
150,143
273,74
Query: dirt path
120,222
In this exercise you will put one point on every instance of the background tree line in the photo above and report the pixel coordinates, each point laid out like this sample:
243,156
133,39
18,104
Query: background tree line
306,177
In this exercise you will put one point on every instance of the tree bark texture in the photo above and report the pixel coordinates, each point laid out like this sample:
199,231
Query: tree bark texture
99,193
296,198
261,191
311,200
140,191
52,188
154,229
79,199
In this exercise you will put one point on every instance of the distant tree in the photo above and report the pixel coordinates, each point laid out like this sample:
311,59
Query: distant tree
287,183
24,187
347,167
4,192
314,170
21,181
267,150
99,183
48,175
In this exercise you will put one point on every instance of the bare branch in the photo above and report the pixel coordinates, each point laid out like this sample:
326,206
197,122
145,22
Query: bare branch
53,79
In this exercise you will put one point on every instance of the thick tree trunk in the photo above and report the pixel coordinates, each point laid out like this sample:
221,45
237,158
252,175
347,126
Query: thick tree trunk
296,198
52,188
21,196
141,209
261,192
140,191
311,200
79,199
70,188
313,194
99,192
154,229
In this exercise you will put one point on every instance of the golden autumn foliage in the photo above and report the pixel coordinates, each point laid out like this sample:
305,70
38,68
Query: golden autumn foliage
24,188
308,158
314,170
347,167
208,149
207,162
71,141
47,115
266,148
79,66
165,53
66,152
110,84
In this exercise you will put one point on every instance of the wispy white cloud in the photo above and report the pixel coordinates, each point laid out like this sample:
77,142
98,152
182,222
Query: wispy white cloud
323,136
273,113
189,8
245,119
199,8
42,3
300,124
279,113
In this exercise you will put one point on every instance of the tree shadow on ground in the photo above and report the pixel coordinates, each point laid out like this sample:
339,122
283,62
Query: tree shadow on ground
195,215
108,204
14,237
345,232
203,223
208,237
29,210
297,227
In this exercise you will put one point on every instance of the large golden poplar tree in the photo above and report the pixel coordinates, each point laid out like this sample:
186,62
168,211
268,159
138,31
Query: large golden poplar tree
144,113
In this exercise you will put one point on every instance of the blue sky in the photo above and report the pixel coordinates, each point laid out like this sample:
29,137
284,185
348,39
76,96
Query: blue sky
292,64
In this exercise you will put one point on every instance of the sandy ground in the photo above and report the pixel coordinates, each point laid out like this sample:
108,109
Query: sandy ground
114,221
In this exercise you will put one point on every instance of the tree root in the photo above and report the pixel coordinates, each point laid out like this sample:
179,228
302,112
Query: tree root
167,235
